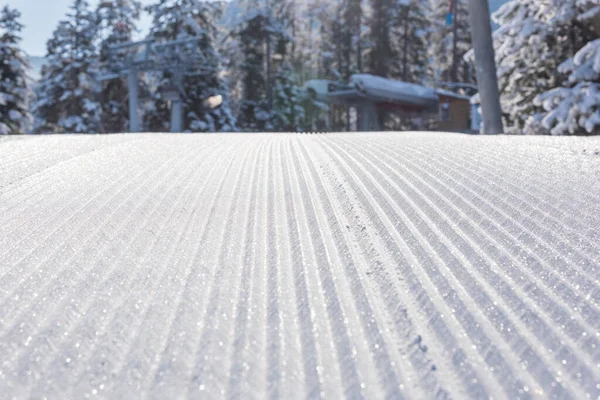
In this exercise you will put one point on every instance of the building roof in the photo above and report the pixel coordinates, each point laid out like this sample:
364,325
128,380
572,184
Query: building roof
448,93
377,89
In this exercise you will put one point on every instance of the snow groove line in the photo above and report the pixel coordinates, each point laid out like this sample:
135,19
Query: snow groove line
558,272
568,246
275,347
171,368
431,194
387,370
523,295
487,167
450,284
201,376
552,210
574,346
529,210
35,183
336,314
237,373
592,196
575,331
117,186
292,350
129,300
425,301
155,324
22,202
15,153
255,373
170,351
326,344
65,161
431,265
479,301
160,333
409,341
62,210
40,217
84,281
105,190
99,227
310,356
550,286
40,192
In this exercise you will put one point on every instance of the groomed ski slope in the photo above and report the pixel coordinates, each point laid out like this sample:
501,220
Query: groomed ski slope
381,265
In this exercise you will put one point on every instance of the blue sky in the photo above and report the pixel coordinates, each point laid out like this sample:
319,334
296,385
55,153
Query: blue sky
40,18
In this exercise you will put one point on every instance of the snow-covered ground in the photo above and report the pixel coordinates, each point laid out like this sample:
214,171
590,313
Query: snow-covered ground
290,266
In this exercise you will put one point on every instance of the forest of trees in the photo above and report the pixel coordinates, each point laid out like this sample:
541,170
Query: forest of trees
260,53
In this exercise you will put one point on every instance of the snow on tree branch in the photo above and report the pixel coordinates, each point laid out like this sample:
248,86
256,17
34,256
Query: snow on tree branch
576,109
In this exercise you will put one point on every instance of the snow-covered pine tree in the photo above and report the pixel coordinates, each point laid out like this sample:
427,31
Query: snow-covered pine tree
287,108
117,20
287,111
331,51
342,50
397,46
334,56
228,46
177,19
447,54
381,54
345,37
410,40
254,114
575,109
46,108
310,25
67,93
313,56
13,74
410,28
534,38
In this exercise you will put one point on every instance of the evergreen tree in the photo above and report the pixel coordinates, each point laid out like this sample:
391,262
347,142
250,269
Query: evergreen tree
381,54
331,62
314,113
287,108
117,21
575,109
311,21
67,94
534,38
397,45
336,61
446,50
254,114
13,79
345,41
411,29
177,19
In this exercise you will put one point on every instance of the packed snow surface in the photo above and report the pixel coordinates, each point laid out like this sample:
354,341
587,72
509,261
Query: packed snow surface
381,265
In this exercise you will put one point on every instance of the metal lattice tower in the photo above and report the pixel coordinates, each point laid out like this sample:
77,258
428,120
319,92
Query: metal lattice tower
178,57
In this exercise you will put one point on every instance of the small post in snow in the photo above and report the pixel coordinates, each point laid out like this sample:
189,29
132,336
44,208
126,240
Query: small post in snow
132,82
177,104
485,65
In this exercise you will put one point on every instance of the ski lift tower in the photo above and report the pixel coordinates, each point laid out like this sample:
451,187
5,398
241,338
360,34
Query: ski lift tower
178,57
